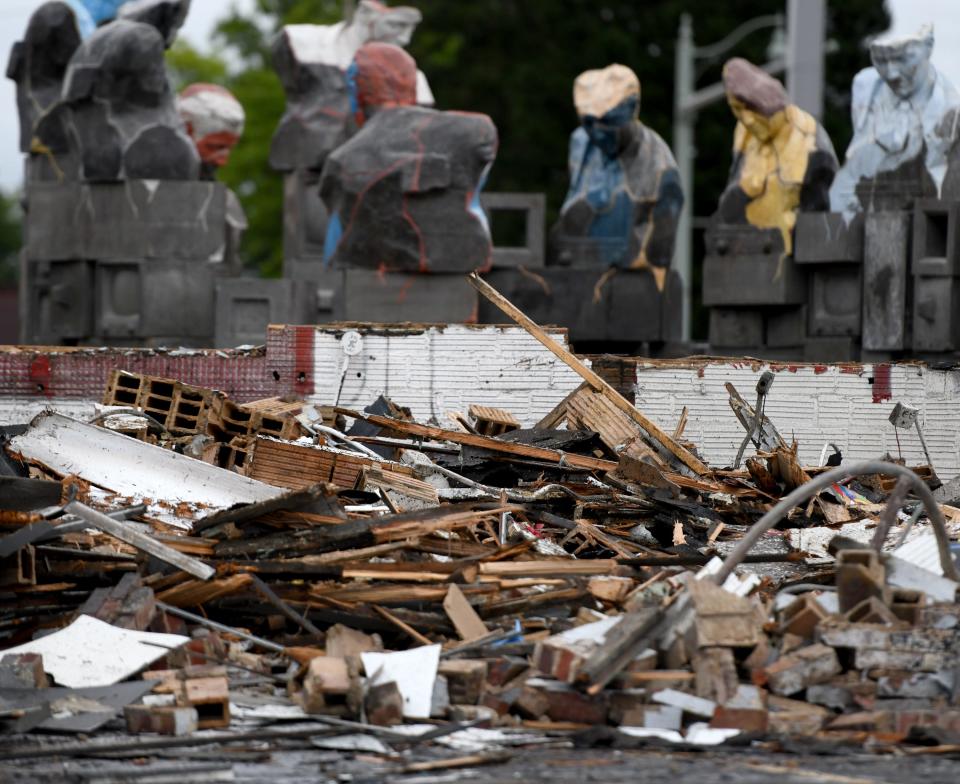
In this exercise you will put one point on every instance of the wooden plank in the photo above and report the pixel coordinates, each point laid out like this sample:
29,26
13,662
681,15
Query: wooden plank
588,375
464,618
484,442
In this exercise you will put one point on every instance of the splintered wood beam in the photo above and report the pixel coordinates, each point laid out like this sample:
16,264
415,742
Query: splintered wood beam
484,442
574,363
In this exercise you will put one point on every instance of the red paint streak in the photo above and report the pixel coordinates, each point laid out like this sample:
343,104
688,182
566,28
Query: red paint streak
882,389
303,356
415,188
40,376
404,290
819,370
701,372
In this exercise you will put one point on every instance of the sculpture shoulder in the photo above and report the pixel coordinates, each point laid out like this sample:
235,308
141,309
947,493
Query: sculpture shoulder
866,86
655,148
801,120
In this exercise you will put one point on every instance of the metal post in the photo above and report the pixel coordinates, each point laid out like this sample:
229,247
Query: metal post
684,151
806,31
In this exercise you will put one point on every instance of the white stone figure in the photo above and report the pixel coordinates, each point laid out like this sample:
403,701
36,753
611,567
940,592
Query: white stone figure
900,142
372,21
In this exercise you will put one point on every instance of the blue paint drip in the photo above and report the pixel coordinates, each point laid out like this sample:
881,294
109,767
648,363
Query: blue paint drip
332,240
353,92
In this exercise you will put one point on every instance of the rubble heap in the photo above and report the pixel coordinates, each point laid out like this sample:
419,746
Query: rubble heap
362,581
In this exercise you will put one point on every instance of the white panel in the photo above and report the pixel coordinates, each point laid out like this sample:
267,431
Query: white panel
434,370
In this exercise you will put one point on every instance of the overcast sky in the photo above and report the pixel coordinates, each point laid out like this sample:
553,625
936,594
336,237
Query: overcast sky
14,14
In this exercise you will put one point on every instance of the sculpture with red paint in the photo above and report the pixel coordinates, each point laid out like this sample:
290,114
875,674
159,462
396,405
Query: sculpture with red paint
403,193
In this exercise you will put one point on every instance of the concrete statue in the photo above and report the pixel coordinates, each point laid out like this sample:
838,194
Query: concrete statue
122,116
625,197
783,160
38,65
783,165
903,112
214,119
403,192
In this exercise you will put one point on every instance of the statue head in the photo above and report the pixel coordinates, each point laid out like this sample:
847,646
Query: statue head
381,76
121,64
214,120
757,99
904,63
608,103
167,16
387,25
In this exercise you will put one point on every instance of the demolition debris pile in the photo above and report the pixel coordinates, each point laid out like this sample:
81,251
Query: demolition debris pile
359,580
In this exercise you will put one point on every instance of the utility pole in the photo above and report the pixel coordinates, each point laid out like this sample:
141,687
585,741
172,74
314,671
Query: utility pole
806,32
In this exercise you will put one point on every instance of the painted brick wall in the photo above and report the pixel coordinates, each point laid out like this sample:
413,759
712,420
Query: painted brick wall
445,368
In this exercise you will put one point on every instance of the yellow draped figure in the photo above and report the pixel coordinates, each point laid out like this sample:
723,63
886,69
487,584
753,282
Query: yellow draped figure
783,160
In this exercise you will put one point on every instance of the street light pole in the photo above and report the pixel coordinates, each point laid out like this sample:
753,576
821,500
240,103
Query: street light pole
683,150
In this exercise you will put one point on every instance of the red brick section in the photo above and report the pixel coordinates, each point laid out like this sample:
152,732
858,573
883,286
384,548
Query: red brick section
284,368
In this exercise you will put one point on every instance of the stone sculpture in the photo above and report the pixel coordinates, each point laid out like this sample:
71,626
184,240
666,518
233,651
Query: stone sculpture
625,196
38,65
214,119
904,121
122,117
403,193
783,163
167,16
783,160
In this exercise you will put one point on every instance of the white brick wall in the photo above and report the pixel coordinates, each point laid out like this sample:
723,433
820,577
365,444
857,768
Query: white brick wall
437,369
813,405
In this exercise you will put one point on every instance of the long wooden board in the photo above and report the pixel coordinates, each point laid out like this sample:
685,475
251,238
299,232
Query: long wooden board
567,357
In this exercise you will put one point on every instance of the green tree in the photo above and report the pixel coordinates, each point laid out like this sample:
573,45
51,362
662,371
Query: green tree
10,230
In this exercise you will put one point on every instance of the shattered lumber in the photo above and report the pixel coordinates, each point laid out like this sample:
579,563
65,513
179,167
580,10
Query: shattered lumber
651,430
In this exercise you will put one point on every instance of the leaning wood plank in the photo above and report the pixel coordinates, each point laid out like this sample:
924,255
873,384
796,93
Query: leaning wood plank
652,430
484,442
130,535
464,617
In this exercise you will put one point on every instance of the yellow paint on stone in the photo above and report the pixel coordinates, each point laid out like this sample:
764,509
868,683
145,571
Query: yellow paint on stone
776,151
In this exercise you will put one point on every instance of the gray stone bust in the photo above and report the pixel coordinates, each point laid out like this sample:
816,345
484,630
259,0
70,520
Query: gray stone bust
901,142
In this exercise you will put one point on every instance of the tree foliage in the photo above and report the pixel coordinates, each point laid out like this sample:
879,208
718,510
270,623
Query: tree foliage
516,61
10,228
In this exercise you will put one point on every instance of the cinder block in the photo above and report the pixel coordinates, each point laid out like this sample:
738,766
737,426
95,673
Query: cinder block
827,238
60,301
736,327
752,280
935,240
831,350
785,327
396,297
304,220
625,307
860,576
163,720
936,314
246,306
156,303
533,206
135,219
793,673
885,280
211,698
836,294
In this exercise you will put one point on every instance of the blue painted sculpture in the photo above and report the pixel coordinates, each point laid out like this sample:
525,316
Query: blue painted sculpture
625,196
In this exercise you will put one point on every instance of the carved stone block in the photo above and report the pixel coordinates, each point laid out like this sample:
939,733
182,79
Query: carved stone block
533,207
885,281
936,314
935,242
827,237
835,300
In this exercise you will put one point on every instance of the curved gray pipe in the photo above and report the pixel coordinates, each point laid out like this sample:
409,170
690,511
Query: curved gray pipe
805,492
